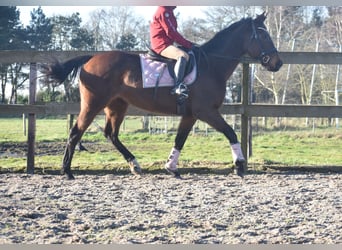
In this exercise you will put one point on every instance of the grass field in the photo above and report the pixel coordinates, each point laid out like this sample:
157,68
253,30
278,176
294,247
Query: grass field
296,148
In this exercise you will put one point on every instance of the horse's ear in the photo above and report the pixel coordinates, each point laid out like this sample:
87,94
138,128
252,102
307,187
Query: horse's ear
261,17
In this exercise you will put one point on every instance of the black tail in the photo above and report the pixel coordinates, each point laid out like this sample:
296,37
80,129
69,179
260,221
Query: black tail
59,71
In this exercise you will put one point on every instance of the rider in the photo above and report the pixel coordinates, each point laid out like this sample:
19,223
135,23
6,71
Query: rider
163,32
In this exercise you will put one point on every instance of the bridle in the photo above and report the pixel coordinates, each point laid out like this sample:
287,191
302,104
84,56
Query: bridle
265,55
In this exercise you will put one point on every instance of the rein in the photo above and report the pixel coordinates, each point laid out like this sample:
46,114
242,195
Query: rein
206,57
233,58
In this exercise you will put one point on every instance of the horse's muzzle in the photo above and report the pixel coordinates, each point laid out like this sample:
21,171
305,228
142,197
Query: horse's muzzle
274,67
278,65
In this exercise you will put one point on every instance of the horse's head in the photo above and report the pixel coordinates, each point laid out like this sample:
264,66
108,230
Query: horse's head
261,46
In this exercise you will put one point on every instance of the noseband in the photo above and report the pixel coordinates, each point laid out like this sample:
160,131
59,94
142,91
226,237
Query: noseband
264,55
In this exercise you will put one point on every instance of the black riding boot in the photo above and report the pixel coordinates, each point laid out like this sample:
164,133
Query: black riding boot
180,88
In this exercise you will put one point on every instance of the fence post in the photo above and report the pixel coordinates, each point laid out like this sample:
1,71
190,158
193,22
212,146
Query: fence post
31,134
24,124
244,116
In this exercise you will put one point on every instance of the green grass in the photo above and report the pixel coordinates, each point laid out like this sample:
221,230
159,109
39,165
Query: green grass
300,148
305,148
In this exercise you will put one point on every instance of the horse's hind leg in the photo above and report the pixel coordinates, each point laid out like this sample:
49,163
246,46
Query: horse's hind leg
115,113
83,121
184,129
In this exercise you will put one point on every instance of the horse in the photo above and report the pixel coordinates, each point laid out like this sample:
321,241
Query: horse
111,81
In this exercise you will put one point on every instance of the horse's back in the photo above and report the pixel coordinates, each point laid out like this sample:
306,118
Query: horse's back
103,63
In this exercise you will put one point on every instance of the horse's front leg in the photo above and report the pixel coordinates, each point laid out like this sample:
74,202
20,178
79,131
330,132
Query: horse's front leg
183,131
214,119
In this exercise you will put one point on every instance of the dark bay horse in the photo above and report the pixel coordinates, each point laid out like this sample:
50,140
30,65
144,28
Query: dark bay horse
112,80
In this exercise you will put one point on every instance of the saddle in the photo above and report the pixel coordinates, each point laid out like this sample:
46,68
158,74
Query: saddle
171,62
158,71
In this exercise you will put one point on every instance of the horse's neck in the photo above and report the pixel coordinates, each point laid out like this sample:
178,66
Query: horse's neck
224,54
228,42
229,50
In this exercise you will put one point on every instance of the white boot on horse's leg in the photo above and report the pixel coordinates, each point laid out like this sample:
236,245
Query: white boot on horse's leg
134,167
238,159
171,164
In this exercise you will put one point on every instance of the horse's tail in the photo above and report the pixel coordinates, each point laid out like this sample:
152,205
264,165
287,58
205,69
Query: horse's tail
59,71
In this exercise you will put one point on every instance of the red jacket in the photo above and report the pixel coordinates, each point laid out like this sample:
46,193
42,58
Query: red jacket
163,30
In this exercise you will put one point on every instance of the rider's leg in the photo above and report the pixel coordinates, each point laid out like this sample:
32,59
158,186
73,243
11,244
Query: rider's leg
180,88
182,59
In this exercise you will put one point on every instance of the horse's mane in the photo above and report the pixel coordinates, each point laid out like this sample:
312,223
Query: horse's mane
225,33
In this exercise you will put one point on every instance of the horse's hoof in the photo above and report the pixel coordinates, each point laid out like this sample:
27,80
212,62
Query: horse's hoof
174,172
81,148
67,175
135,167
70,177
177,175
240,168
136,170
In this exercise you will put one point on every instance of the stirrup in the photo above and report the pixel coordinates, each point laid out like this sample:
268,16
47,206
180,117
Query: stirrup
181,90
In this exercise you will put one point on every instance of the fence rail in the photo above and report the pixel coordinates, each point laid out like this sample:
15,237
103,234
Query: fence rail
251,110
245,108
11,56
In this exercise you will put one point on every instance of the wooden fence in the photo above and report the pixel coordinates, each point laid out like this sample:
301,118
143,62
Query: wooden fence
246,109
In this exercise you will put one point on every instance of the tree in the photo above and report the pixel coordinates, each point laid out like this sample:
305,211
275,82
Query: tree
11,38
17,78
94,26
3,78
220,17
333,40
194,30
82,39
64,30
68,34
119,21
11,31
274,23
127,42
39,32
317,18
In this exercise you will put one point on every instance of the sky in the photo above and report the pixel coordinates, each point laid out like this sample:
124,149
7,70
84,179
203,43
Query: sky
144,11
